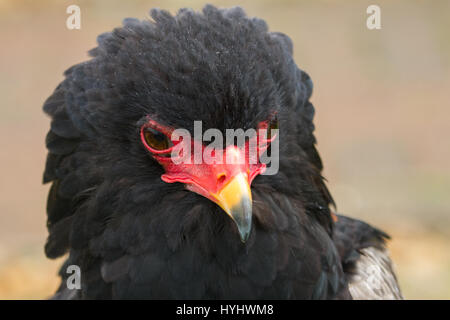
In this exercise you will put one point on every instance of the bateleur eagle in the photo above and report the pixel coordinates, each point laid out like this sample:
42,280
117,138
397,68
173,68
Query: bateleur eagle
139,226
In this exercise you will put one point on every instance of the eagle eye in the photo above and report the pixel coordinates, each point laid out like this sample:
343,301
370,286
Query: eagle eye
156,140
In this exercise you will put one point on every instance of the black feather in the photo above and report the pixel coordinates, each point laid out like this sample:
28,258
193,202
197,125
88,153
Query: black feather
135,236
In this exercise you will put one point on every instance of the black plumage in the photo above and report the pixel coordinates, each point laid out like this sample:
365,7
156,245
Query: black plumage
135,236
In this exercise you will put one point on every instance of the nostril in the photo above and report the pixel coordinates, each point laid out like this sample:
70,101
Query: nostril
221,178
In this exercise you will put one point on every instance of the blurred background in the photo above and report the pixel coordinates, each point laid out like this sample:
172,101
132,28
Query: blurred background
382,118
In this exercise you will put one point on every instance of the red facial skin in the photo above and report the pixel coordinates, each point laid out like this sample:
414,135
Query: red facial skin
203,178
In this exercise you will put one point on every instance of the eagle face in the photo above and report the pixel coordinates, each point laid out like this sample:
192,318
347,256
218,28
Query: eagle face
144,225
221,175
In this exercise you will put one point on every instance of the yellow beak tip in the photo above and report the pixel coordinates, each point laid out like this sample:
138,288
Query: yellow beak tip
236,200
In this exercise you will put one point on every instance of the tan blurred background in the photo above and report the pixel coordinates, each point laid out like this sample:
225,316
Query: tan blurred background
383,120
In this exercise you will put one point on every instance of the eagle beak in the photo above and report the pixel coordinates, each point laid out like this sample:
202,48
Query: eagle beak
225,183
235,199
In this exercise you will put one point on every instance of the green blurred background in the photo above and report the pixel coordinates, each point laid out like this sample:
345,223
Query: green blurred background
383,120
